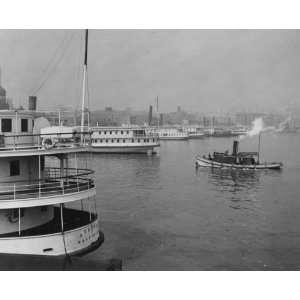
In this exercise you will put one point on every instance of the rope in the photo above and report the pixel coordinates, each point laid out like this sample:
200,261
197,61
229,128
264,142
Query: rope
51,72
52,59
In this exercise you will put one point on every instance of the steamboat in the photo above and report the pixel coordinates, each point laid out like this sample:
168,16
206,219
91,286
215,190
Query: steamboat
123,140
47,202
171,133
39,190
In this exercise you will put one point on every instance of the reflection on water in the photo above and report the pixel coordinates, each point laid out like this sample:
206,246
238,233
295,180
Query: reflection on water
239,187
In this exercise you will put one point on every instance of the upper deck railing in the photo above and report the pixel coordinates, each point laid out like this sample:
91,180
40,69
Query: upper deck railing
56,182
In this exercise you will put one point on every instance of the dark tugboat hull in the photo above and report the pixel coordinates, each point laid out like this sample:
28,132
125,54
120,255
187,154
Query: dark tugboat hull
202,162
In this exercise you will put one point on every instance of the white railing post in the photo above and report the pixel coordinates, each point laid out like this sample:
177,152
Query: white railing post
14,191
39,189
19,221
62,185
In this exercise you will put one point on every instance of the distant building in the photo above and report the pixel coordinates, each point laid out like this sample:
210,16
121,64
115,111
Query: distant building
246,119
3,99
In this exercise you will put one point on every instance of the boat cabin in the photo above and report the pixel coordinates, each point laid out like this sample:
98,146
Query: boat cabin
241,158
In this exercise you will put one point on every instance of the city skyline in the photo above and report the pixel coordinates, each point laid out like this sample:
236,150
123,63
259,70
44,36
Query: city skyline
200,70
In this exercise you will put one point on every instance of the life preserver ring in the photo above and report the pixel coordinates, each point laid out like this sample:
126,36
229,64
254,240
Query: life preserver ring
48,143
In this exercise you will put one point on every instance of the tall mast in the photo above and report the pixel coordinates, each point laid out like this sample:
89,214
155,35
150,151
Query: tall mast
84,81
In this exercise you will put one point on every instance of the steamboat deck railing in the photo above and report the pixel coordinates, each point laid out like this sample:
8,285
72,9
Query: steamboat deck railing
55,181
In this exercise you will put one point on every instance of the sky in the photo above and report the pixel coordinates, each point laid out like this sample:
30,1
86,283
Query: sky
200,70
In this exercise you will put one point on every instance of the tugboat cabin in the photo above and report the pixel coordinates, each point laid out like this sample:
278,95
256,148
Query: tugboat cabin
240,158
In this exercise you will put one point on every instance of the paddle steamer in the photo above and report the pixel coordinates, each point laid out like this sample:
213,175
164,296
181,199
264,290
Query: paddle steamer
123,140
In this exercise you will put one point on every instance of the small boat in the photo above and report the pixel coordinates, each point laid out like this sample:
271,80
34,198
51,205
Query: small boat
196,135
193,132
171,134
237,131
236,160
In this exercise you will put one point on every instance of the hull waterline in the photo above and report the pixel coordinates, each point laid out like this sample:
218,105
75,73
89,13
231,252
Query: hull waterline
201,162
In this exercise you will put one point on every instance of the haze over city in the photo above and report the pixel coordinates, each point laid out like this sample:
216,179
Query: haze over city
200,70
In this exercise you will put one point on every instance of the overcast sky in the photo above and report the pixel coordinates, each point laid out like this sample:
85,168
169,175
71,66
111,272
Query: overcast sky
200,70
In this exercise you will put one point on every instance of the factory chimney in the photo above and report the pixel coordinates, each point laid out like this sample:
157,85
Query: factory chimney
235,149
32,100
150,116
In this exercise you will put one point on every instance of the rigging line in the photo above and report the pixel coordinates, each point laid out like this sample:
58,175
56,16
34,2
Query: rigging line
78,87
56,64
52,59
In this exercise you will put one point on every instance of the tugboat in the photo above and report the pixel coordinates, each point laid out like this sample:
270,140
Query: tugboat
236,160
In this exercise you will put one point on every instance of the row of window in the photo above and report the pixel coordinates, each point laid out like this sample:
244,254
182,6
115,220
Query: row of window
122,141
15,212
6,125
122,132
115,132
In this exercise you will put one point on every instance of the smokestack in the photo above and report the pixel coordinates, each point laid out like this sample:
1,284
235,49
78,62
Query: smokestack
235,149
32,100
161,119
150,115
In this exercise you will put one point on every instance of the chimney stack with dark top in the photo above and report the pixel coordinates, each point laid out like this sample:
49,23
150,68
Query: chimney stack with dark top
150,116
32,102
235,149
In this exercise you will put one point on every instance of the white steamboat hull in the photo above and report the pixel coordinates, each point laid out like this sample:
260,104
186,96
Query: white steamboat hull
76,241
201,162
124,149
196,136
174,138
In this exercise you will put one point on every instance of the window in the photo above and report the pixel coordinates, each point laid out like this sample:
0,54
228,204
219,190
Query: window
132,140
104,132
42,163
121,131
14,168
6,125
118,140
110,132
24,125
124,141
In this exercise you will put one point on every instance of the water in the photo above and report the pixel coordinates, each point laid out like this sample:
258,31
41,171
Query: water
160,213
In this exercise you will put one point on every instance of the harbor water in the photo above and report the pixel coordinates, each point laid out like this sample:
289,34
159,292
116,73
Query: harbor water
160,213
